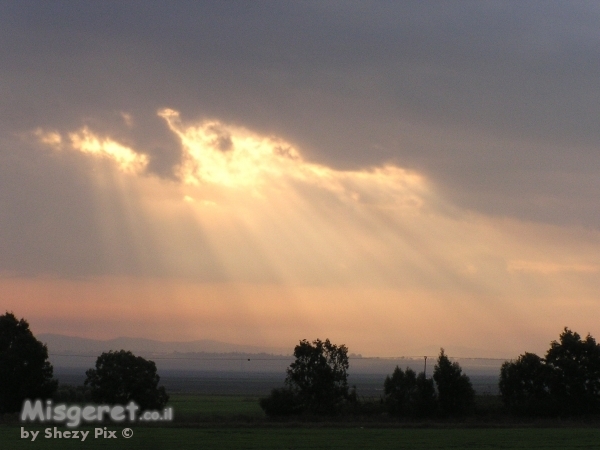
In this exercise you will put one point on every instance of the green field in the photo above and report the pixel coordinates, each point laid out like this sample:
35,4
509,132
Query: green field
235,422
193,408
321,438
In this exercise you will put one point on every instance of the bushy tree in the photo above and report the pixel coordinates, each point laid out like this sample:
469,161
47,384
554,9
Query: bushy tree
455,392
319,375
316,382
120,377
409,394
524,385
281,402
575,374
567,381
67,393
25,372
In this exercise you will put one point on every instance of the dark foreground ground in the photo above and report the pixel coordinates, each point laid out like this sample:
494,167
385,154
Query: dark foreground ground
237,422
320,438
221,411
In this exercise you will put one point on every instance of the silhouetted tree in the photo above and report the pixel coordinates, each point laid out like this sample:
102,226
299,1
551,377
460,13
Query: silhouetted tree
281,402
525,385
319,375
407,394
575,378
316,382
25,372
567,381
120,377
455,392
67,393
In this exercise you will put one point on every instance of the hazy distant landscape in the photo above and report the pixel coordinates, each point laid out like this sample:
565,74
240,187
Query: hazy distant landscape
207,366
58,343
208,355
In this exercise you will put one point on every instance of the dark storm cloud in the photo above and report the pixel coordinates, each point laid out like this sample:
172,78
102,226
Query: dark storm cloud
496,101
526,69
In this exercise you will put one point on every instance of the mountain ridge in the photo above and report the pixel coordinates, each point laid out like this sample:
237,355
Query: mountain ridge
62,343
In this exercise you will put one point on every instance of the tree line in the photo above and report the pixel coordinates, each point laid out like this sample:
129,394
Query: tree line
565,382
317,384
25,373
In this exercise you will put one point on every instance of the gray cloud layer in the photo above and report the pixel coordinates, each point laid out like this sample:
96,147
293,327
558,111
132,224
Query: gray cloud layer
497,102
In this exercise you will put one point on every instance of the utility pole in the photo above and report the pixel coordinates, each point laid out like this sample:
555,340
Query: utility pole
425,370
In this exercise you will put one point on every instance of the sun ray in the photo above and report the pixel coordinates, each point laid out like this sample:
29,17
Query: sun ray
249,233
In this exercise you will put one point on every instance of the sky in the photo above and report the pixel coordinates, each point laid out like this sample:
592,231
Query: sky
393,176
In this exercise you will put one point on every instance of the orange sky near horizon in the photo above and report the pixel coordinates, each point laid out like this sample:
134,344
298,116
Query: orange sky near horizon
373,322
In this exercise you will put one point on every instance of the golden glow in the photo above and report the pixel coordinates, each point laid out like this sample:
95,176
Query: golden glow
226,156
126,159
50,138
259,245
233,157
85,141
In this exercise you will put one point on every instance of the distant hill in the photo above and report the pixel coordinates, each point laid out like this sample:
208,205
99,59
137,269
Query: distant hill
58,343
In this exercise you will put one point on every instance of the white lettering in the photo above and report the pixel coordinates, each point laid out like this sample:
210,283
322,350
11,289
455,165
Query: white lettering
25,434
74,416
101,410
29,413
60,413
132,408
89,413
117,413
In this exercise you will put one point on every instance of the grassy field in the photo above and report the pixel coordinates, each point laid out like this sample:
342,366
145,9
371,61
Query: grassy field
319,438
192,407
237,422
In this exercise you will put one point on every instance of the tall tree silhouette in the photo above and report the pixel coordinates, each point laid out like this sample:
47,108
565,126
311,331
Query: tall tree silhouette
316,382
455,392
25,372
